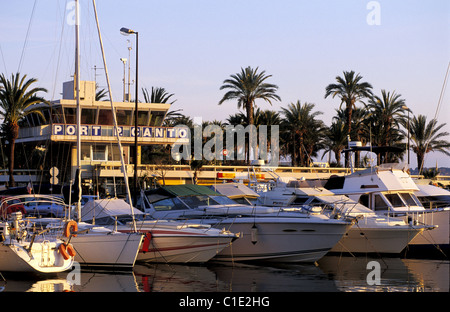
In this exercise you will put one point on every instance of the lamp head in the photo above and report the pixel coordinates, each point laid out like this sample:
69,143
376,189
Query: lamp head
126,31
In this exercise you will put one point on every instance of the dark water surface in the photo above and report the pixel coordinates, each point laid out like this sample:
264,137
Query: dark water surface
330,274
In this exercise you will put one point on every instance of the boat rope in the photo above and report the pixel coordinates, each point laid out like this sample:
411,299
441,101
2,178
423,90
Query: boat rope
26,36
433,243
370,243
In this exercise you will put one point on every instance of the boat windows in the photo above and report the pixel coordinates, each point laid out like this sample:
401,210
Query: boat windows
379,203
168,204
364,200
200,200
222,200
409,199
395,200
299,200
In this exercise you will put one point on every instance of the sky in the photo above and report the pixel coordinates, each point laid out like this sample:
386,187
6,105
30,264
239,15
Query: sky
189,47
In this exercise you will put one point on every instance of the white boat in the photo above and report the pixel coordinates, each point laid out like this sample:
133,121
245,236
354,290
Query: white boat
96,247
371,233
24,250
165,241
266,234
389,191
435,198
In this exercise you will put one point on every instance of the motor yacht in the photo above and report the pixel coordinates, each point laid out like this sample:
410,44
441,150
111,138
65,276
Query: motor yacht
165,241
389,191
371,233
266,233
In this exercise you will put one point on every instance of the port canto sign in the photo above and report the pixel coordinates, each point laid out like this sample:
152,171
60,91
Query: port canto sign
123,131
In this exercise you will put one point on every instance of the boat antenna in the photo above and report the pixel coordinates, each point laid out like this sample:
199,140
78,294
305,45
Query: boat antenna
115,119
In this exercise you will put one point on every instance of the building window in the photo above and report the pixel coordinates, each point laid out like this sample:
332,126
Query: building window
157,118
88,116
99,153
70,115
142,118
57,115
105,117
124,117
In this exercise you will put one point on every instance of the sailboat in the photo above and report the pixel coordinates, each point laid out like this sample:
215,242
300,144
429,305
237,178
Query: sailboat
95,247
24,249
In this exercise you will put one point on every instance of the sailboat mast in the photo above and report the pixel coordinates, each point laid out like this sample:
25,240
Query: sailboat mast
77,92
122,161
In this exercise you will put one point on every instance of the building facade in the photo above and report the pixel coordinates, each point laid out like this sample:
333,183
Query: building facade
100,158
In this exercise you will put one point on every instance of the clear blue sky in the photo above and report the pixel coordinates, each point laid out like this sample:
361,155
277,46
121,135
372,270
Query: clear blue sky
190,47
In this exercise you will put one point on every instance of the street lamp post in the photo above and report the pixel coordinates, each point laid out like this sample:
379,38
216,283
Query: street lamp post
126,31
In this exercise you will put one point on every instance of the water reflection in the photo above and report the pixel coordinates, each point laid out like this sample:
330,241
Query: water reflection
330,274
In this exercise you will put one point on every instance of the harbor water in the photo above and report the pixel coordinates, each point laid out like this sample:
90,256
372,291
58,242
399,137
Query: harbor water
333,273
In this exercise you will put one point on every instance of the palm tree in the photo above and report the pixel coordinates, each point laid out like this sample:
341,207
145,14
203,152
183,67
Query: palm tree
386,114
427,138
336,140
100,94
196,166
360,129
248,86
300,125
17,100
158,95
350,90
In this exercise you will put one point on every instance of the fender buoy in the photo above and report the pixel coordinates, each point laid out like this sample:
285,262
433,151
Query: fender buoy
146,243
67,251
70,227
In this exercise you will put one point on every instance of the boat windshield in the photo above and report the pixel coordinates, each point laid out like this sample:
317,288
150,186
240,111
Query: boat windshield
203,200
169,204
223,200
410,199
395,200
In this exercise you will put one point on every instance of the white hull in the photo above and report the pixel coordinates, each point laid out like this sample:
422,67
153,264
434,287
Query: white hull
44,258
389,240
179,242
289,240
437,236
110,251
182,248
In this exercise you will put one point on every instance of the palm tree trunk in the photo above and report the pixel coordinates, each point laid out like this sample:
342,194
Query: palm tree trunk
349,125
12,144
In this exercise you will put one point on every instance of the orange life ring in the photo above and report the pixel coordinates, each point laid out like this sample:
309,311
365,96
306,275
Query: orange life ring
70,227
67,251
